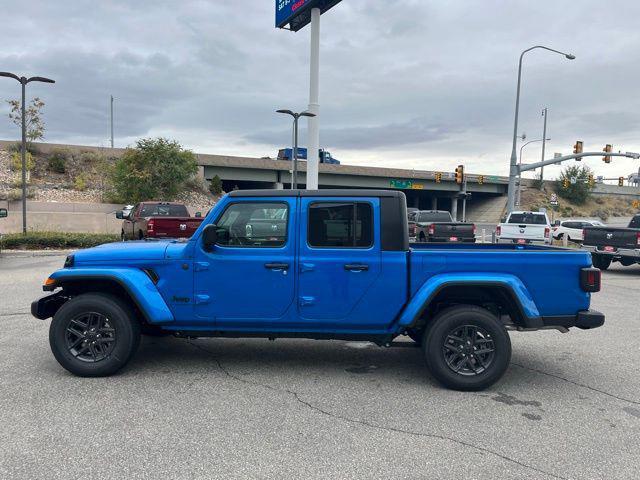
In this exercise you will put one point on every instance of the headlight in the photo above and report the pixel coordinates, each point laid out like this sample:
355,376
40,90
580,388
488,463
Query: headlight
68,262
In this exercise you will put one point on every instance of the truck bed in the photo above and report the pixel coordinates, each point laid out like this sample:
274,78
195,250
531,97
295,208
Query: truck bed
543,270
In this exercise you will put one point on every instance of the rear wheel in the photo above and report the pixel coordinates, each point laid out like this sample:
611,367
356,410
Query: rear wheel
600,261
627,262
422,238
140,235
94,335
467,348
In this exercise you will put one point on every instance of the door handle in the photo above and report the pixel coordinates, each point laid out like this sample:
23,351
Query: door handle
276,266
356,267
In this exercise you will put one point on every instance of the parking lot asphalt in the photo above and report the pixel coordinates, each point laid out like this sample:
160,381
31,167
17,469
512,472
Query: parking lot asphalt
568,407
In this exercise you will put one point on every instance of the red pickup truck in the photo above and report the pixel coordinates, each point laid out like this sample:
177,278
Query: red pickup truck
158,220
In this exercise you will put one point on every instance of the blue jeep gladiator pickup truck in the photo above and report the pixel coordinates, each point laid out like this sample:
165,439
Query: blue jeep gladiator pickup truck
327,264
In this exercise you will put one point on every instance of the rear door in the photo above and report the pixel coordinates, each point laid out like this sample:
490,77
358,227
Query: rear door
340,261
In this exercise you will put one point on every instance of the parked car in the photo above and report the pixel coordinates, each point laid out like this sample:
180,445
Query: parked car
524,228
438,226
611,244
572,229
158,220
339,267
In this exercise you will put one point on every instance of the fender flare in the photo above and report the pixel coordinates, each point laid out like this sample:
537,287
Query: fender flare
512,284
135,282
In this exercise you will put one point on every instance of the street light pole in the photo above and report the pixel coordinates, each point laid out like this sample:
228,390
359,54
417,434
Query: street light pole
519,189
23,82
296,117
111,121
513,167
544,144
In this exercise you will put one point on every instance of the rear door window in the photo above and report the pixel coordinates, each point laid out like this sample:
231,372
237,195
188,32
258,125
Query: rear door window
635,222
340,225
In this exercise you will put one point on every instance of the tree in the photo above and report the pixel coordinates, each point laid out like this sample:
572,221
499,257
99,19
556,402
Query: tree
216,185
33,117
574,184
156,169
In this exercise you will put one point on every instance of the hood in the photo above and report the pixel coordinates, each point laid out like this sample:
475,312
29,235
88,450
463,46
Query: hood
122,252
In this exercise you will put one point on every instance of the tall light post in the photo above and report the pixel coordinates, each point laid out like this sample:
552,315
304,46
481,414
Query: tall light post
296,117
111,117
513,167
23,81
519,190
545,114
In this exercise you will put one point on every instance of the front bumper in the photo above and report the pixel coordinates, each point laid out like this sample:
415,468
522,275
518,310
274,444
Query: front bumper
46,307
585,320
617,253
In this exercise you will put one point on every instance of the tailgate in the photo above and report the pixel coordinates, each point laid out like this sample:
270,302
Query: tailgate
173,226
453,230
527,232
611,237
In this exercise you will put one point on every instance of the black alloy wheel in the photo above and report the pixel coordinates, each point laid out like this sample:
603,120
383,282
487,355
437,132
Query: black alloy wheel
90,337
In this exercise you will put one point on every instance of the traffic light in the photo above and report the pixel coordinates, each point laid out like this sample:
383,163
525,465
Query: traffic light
592,181
565,183
608,148
620,181
480,179
438,177
460,174
577,148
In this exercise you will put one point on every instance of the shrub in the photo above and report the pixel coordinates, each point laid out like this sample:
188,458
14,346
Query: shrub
81,182
16,161
578,191
61,240
215,186
57,161
154,169
16,194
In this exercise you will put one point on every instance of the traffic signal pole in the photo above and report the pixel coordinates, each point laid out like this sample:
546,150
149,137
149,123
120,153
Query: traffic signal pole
533,166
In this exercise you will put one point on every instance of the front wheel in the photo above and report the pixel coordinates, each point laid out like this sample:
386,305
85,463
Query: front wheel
467,348
94,335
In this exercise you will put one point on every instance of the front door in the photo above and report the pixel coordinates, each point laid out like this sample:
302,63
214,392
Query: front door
248,278
339,261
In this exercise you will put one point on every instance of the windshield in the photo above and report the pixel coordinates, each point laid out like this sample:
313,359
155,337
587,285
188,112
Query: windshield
164,211
434,217
528,218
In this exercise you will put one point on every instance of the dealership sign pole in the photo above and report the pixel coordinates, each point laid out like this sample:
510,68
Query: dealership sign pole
294,15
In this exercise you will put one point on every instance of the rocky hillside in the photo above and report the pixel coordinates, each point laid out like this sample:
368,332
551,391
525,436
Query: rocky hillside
69,176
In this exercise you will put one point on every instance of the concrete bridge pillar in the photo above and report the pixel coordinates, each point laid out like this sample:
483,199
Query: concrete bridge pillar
454,207
434,203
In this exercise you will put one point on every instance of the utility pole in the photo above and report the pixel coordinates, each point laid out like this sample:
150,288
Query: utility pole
544,143
111,121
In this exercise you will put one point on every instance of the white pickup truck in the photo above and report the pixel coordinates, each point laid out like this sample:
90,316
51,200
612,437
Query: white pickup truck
524,228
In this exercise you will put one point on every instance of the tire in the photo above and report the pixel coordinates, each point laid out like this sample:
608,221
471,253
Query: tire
422,238
111,318
475,371
122,236
140,235
627,262
600,262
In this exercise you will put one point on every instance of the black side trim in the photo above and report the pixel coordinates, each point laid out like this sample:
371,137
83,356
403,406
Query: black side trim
393,224
585,319
528,322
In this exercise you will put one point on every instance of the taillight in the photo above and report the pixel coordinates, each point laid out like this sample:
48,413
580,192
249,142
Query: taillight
547,230
637,238
150,225
498,230
590,279
473,229
432,229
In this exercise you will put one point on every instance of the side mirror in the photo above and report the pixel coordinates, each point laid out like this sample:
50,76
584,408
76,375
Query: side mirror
3,213
210,236
119,215
503,220
198,214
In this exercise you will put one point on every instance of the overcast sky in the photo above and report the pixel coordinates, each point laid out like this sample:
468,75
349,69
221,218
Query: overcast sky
404,83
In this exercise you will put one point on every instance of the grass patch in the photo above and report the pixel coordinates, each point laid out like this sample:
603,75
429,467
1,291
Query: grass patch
55,240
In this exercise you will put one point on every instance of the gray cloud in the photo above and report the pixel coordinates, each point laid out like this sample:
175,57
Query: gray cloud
413,83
